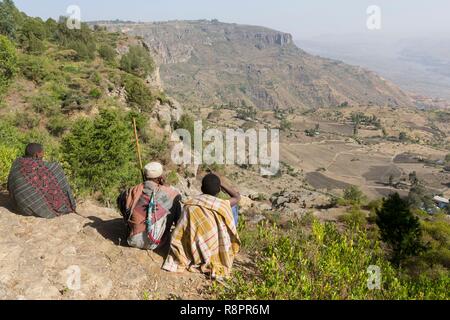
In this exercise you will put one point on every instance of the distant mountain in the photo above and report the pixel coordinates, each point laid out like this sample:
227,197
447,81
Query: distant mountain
417,64
209,62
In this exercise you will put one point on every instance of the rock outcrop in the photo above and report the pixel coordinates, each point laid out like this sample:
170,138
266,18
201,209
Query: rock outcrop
41,259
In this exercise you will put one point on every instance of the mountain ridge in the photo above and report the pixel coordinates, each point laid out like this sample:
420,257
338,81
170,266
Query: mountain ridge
210,62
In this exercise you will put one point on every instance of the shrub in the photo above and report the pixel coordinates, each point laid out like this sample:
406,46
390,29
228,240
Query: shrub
137,62
172,178
11,145
353,195
32,32
285,125
33,45
100,153
399,228
322,264
138,94
26,120
85,51
186,122
9,135
45,103
8,18
34,68
8,62
354,218
7,156
95,93
81,40
57,125
107,53
73,101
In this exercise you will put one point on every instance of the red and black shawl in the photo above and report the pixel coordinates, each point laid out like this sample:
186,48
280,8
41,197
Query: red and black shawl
40,188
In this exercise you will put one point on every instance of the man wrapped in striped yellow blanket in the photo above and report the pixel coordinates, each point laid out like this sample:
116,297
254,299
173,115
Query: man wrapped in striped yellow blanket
206,235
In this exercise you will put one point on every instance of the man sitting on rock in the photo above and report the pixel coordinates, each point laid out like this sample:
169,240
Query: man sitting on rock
39,188
150,209
206,236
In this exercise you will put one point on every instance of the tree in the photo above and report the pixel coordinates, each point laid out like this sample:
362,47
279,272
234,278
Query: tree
107,53
8,62
354,195
138,62
419,197
285,125
399,228
138,94
100,154
8,19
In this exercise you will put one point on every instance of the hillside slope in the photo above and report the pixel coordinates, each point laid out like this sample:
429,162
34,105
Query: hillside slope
37,257
209,62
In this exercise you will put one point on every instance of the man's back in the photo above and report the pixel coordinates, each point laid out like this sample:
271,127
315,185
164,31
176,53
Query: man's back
166,197
205,236
40,188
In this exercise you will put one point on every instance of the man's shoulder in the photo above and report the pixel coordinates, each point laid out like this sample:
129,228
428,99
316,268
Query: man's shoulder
171,191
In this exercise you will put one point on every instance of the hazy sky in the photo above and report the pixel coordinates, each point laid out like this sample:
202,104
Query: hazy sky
302,18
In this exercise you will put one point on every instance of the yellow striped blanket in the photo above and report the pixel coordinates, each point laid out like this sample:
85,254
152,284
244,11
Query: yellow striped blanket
205,237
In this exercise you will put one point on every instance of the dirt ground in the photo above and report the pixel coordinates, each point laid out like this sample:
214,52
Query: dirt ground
39,259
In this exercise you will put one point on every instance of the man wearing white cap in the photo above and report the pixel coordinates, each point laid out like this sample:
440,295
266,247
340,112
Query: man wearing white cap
152,203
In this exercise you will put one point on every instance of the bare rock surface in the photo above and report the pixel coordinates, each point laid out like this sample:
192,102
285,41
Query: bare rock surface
40,259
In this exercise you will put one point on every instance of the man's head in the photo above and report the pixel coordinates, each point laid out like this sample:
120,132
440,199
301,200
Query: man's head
153,172
211,184
34,150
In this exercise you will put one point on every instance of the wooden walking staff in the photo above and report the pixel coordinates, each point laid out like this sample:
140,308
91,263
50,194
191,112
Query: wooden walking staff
138,149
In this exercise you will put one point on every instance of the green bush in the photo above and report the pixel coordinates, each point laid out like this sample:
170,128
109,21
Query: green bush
7,156
138,94
8,62
72,101
172,178
8,18
81,40
32,33
101,154
33,45
399,228
35,68
26,120
11,146
95,93
107,53
186,122
57,125
322,264
354,218
44,103
85,51
137,62
353,195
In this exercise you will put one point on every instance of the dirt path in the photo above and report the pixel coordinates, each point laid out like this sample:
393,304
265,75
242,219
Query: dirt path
38,257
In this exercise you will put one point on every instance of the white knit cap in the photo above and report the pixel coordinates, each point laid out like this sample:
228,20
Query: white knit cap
153,170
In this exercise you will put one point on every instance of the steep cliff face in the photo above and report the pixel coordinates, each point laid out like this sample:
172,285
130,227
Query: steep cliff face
209,62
